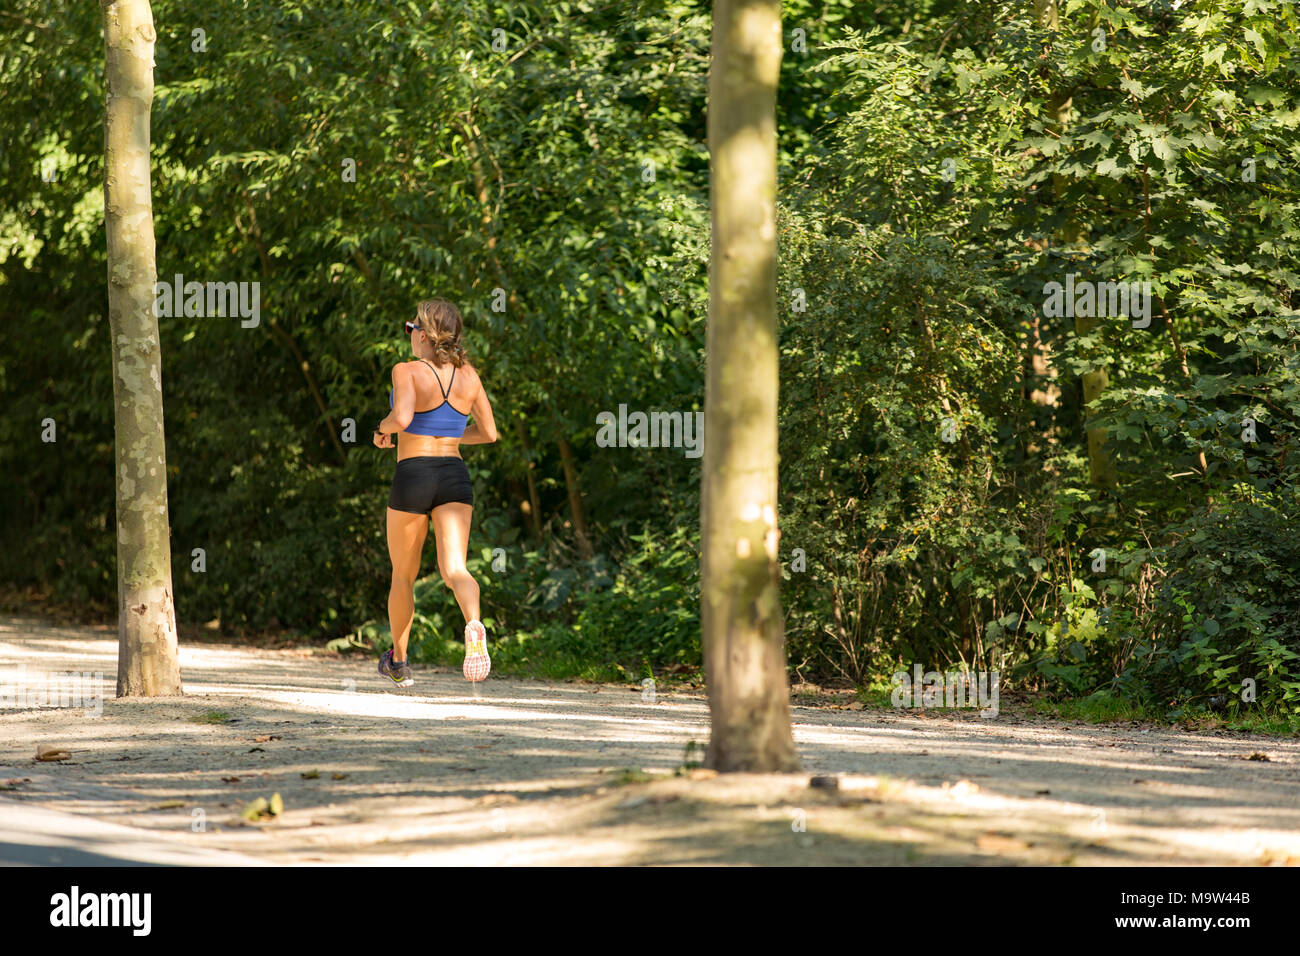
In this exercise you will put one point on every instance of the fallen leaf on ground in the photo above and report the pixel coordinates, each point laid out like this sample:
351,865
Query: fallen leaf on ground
1260,756
261,808
264,738
50,752
230,780
310,775
339,776
168,805
702,773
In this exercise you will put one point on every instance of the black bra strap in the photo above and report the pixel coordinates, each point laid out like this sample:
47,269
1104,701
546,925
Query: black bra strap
446,392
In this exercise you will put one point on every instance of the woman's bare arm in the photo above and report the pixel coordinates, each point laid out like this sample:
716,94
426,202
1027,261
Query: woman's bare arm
403,405
484,429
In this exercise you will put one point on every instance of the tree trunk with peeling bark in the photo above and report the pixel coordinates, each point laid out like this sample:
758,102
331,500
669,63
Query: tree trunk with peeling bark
147,661
740,606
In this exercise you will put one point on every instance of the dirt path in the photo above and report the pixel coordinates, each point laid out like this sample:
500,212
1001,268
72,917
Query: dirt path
532,772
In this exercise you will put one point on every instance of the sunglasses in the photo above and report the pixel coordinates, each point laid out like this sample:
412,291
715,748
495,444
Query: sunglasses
410,327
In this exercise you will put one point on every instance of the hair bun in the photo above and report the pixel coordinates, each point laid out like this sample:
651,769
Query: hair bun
443,325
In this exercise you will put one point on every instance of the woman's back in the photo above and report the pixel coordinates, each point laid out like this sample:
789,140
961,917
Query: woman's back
430,381
442,398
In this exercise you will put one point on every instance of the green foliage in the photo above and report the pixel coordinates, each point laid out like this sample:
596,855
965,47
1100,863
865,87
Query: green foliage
1229,609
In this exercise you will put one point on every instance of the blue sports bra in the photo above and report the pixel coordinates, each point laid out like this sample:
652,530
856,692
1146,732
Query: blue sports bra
441,421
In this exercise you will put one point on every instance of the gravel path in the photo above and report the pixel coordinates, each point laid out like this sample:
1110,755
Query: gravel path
531,772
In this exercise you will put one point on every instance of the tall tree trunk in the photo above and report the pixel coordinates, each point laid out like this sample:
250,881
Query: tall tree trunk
1101,467
740,605
576,509
147,660
534,499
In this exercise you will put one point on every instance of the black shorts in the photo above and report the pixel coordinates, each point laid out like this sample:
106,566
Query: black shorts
422,484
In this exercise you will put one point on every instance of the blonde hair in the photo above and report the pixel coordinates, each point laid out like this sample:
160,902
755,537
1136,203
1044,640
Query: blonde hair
442,323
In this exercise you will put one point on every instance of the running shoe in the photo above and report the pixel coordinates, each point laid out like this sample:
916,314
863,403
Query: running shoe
477,663
398,674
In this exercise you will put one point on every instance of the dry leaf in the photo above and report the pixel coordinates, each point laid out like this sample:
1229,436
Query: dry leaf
230,780
340,776
702,773
264,738
262,809
50,752
310,775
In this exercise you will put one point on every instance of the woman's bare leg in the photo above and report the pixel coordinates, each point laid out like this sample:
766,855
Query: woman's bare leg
406,534
451,531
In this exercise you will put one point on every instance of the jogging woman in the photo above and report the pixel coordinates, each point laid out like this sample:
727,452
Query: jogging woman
431,482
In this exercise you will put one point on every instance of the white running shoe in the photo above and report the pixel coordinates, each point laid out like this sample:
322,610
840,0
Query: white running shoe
477,663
